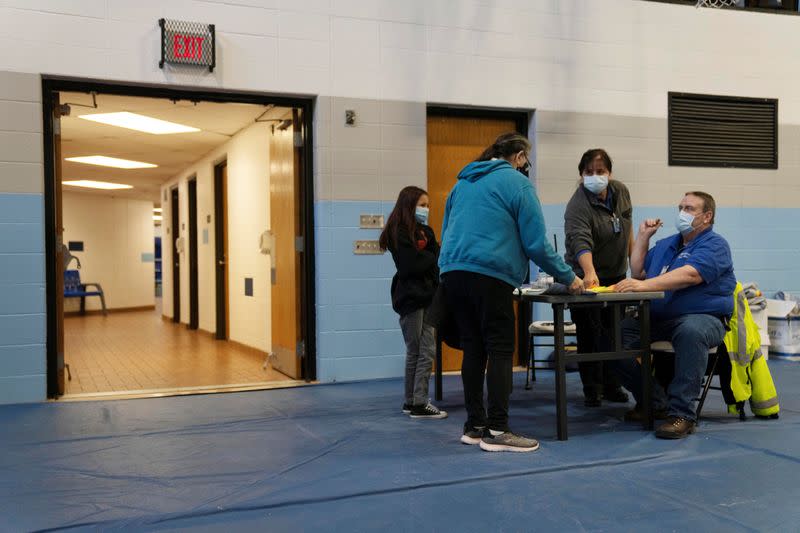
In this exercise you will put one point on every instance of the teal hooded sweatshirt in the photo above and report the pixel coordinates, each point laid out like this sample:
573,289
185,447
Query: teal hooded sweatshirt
493,225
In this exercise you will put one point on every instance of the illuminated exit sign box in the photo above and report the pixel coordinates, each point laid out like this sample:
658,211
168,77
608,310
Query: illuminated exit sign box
187,43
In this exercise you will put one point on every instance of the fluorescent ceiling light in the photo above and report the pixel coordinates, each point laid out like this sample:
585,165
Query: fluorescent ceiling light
157,209
104,161
132,121
157,217
97,184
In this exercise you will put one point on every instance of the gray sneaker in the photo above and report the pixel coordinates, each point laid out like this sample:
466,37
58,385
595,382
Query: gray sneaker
508,442
472,435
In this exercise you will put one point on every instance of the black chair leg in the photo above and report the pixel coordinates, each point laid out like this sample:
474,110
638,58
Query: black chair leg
707,386
531,370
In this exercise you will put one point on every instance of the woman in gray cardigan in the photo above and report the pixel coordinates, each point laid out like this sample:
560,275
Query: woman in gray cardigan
597,223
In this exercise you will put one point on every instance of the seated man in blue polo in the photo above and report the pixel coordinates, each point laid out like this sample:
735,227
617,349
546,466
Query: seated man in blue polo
695,271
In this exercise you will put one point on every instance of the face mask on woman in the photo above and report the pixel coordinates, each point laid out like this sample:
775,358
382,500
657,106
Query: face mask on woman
683,222
595,184
421,214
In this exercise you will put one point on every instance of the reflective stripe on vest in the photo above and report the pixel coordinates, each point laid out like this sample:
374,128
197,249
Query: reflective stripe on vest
772,402
740,355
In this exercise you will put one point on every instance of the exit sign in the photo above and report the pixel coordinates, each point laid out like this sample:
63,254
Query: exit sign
187,43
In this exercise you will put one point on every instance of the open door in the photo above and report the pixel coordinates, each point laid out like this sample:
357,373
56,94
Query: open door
56,384
221,248
285,163
176,255
194,298
454,139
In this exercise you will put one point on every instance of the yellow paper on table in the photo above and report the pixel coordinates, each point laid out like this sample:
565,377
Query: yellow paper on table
602,289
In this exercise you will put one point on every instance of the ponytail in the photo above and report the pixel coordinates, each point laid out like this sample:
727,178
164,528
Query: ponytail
505,146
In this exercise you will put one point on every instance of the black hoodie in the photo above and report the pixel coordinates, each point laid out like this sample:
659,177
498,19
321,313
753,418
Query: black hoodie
417,277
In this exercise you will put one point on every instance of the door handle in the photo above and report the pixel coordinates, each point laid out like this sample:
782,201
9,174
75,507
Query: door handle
220,262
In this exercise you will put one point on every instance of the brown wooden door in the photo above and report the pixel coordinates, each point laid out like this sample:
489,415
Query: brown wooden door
221,250
452,143
287,347
176,254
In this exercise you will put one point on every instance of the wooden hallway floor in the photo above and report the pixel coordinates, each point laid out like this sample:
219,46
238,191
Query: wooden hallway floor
138,350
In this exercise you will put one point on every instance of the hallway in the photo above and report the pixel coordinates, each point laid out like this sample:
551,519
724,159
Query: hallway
141,351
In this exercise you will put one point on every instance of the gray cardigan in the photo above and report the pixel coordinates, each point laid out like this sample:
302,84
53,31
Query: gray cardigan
590,225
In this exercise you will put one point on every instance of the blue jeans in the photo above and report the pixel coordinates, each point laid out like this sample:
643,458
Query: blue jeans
691,337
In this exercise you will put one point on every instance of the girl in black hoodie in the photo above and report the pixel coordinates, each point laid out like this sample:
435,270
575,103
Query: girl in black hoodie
415,251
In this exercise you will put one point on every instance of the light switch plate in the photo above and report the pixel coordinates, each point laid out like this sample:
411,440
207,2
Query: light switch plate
367,248
371,222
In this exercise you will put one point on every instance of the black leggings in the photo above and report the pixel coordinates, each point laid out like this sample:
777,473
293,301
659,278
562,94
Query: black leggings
484,311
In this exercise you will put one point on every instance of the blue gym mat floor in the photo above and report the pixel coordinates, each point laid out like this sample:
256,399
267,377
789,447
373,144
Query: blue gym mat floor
342,457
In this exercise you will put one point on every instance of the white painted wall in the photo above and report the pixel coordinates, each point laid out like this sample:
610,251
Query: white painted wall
542,54
247,155
115,233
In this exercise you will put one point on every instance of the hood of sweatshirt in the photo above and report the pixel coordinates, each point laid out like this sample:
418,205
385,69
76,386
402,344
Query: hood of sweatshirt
478,169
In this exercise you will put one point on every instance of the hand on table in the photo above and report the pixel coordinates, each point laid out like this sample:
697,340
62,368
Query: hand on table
590,280
631,285
576,287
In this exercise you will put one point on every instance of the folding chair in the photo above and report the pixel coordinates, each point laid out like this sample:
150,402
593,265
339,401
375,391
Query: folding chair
717,360
536,330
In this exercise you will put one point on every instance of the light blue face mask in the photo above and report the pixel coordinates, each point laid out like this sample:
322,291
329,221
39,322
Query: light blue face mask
595,184
421,214
683,222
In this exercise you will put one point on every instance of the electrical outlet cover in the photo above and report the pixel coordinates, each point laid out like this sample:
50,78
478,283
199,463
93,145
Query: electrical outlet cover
371,221
367,248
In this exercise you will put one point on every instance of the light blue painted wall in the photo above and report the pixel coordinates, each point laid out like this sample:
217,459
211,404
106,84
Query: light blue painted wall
358,336
22,298
358,332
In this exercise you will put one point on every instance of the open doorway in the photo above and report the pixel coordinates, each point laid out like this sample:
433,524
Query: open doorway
137,166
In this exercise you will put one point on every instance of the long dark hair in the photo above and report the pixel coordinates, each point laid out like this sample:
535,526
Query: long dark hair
505,146
402,217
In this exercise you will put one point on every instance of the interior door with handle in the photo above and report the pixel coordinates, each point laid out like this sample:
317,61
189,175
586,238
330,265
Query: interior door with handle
221,248
287,344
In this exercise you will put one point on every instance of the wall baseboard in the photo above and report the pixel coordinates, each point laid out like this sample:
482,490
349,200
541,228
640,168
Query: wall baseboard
115,311
245,347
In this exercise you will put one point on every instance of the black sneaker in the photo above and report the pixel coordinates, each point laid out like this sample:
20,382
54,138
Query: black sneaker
591,400
407,408
472,435
427,411
616,395
508,442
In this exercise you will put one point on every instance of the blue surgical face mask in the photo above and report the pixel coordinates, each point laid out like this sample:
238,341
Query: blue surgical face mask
595,184
421,214
683,222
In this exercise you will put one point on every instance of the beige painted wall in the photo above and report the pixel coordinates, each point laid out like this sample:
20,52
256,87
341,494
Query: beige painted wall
247,155
115,233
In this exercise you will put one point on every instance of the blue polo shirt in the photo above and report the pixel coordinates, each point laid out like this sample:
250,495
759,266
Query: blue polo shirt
710,254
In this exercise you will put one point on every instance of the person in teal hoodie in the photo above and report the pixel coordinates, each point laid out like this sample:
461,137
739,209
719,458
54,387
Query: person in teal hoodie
493,226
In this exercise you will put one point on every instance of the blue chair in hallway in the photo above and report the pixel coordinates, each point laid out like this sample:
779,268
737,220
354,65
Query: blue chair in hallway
73,288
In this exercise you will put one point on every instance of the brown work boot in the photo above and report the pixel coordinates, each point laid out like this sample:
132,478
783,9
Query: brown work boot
675,428
636,415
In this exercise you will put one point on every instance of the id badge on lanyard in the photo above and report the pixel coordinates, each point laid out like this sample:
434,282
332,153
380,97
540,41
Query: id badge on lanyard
615,222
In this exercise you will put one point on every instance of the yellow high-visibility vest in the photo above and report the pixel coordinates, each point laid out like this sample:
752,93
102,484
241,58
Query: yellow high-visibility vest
750,377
